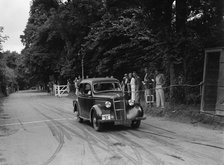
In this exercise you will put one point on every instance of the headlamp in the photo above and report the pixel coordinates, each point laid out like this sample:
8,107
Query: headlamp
131,102
107,104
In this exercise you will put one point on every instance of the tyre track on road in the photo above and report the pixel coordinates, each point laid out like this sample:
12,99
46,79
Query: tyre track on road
104,141
137,160
184,138
3,160
120,136
172,147
59,137
88,139
89,136
177,150
165,130
111,148
171,136
57,130
85,138
57,133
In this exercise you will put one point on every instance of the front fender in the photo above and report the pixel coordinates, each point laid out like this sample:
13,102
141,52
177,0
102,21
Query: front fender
98,109
135,111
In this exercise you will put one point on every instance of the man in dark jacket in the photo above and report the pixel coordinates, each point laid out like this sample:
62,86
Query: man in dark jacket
148,85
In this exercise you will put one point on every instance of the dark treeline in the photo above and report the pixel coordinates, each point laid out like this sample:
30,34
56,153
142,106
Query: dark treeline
13,70
11,67
114,37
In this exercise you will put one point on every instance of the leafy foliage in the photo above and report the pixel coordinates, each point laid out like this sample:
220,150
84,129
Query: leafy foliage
2,38
12,72
113,37
54,34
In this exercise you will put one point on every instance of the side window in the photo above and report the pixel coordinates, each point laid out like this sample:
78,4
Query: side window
81,89
87,89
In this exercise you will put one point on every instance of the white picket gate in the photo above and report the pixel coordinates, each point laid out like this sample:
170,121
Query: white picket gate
61,90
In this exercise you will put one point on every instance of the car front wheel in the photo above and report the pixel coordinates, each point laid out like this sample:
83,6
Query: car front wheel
96,125
135,124
80,120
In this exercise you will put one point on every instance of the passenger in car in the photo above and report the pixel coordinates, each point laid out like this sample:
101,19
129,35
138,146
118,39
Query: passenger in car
87,89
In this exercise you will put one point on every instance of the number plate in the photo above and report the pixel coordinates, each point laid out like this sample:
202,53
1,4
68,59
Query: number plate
106,117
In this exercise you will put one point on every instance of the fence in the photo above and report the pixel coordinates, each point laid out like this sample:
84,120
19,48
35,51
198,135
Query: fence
61,90
185,97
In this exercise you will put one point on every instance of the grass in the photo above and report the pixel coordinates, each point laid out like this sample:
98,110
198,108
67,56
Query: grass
186,114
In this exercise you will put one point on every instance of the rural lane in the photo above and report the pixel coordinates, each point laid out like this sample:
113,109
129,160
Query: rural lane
39,129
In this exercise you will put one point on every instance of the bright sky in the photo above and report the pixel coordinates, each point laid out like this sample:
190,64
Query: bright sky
14,15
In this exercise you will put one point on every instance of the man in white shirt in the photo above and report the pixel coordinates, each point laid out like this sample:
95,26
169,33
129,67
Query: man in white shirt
132,84
160,82
137,87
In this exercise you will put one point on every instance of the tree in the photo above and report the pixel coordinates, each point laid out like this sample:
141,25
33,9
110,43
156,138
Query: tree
113,36
116,42
54,34
2,38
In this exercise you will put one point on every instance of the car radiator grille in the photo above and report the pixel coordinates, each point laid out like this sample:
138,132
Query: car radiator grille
119,109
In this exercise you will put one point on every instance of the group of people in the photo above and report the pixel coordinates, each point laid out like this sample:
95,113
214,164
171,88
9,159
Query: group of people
132,86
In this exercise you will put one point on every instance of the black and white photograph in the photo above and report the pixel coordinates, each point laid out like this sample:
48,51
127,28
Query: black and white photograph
111,82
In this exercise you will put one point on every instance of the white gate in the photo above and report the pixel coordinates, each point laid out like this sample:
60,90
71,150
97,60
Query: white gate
61,90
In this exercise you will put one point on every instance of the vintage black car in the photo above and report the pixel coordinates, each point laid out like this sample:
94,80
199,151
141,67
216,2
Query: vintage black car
101,100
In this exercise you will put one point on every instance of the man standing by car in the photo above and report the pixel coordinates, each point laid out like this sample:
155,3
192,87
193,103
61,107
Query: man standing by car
137,87
125,85
132,84
76,85
160,82
148,85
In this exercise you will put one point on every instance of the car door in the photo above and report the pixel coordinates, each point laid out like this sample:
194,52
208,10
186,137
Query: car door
81,100
85,100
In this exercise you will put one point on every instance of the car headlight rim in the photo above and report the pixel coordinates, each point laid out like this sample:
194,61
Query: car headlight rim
107,104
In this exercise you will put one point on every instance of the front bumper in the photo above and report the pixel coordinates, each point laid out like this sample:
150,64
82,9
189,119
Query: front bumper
121,121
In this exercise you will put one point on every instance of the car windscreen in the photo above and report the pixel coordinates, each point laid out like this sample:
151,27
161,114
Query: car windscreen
106,86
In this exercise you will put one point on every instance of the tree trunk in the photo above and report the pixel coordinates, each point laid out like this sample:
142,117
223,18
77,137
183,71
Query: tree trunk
172,82
181,15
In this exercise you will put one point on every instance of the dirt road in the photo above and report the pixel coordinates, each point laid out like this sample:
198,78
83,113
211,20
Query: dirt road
38,129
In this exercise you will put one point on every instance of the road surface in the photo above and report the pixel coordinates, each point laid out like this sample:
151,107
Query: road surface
39,129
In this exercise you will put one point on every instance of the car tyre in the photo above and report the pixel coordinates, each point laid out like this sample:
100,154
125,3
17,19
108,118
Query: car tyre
74,107
80,120
96,125
135,124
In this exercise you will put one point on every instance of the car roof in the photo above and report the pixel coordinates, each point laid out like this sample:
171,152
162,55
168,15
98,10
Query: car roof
101,79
